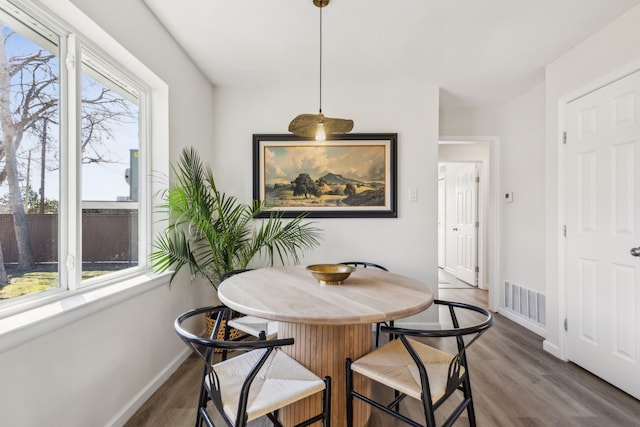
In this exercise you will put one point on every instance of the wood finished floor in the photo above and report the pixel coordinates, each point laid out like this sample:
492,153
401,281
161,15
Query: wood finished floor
515,384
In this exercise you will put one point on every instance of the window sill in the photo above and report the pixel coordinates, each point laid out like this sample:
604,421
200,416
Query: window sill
30,324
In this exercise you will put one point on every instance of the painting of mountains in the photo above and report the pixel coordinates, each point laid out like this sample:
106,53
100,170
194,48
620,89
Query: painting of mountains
326,176
346,176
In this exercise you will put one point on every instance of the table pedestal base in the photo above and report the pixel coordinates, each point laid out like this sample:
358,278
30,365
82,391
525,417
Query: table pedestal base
323,350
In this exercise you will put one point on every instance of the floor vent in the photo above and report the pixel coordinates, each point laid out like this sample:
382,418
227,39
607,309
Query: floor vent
525,302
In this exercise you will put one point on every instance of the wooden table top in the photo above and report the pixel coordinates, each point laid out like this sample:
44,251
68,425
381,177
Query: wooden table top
292,294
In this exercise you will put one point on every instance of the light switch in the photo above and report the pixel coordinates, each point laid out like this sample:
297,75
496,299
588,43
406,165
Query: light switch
508,197
413,194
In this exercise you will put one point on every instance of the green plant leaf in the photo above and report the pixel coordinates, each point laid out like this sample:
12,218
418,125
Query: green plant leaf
212,233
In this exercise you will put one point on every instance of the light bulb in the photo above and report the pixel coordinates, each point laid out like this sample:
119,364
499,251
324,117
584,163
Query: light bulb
321,135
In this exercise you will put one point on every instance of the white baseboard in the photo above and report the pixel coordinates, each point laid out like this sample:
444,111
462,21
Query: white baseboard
124,414
553,349
532,326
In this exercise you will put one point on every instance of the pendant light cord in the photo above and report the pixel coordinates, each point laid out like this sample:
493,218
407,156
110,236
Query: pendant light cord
320,59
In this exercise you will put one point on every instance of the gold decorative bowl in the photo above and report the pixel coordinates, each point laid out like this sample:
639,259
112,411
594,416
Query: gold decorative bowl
330,274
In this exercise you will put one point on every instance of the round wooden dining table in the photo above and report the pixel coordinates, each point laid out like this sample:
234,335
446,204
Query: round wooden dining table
328,322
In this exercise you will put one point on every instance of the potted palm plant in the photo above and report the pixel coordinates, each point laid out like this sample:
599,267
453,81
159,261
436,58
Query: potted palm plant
212,233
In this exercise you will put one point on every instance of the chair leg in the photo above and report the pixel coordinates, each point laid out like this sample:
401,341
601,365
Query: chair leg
203,398
326,402
349,383
202,403
227,331
466,390
391,336
429,416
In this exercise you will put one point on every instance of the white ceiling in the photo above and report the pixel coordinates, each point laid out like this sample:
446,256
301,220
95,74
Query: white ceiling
480,52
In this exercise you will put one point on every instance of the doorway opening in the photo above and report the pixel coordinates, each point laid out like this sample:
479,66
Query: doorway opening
466,164
458,221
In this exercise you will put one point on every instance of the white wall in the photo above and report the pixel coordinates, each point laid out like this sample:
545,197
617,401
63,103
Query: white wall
602,55
407,244
519,127
522,224
522,173
471,121
465,151
85,373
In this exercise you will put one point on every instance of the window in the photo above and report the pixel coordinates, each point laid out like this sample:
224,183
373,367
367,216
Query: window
73,157
110,148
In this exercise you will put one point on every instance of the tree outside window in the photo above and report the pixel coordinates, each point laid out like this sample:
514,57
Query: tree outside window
31,158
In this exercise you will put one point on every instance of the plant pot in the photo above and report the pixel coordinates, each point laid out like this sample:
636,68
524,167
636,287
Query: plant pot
210,322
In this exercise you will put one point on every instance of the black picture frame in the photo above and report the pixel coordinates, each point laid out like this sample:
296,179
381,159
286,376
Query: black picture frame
367,161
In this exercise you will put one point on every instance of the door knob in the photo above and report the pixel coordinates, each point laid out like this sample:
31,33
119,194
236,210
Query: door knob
635,251
455,229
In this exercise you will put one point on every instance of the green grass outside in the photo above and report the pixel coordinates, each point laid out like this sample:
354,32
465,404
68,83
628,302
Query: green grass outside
37,281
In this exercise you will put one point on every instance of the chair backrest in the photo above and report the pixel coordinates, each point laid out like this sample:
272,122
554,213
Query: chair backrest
205,348
193,340
364,264
459,360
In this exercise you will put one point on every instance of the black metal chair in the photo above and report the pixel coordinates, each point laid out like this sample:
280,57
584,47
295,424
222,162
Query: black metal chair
258,327
257,382
423,372
365,264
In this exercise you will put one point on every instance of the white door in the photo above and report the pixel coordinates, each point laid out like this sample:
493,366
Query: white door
466,226
603,225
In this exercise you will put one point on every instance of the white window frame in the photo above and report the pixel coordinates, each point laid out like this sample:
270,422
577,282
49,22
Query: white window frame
34,315
132,89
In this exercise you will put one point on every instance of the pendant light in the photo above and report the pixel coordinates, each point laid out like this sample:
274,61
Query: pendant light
317,125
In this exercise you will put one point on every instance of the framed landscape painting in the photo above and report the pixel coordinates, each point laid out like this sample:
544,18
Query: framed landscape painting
348,176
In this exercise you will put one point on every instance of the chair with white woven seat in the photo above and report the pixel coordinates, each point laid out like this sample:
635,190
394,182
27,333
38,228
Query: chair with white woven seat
257,382
365,264
255,326
412,368
258,327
